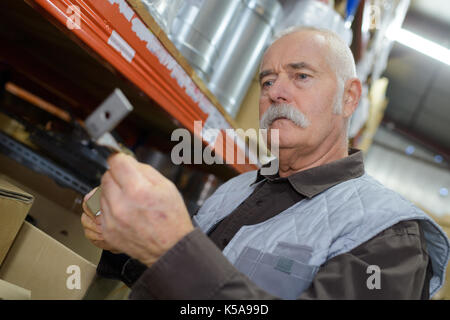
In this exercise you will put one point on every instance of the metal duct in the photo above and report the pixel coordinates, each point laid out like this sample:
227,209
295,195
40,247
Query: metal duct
241,51
199,28
222,40
314,13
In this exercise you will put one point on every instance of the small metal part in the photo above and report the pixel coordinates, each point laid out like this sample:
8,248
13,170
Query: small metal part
108,114
107,140
93,203
98,125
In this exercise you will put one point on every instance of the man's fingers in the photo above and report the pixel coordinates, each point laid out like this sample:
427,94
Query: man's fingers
124,170
93,236
150,173
99,220
89,223
110,192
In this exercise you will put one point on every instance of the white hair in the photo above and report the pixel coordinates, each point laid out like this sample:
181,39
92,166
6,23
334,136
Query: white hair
339,57
283,110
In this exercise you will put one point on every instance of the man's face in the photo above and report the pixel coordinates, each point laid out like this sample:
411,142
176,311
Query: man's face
295,71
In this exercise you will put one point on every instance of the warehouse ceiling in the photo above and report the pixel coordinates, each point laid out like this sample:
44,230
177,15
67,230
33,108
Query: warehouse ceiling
419,86
437,9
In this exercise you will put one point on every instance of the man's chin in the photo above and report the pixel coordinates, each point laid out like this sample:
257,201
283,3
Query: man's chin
286,138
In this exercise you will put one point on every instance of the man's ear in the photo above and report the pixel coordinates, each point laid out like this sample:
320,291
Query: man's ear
352,94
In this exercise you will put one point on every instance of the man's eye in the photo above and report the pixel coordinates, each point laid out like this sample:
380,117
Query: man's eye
267,83
302,76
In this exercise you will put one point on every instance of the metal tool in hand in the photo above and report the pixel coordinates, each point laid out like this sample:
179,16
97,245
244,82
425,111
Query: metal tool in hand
99,124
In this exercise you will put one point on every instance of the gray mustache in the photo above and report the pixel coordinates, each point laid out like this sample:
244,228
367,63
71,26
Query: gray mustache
284,110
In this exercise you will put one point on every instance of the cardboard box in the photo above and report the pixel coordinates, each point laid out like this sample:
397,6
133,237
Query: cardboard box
14,206
9,291
56,210
51,271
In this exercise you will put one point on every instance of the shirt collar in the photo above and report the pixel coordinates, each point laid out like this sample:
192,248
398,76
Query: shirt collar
315,180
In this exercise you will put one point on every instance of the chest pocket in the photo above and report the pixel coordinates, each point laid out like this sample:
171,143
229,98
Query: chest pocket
285,273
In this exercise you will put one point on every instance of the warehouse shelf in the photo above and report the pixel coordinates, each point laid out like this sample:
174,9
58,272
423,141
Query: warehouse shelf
125,35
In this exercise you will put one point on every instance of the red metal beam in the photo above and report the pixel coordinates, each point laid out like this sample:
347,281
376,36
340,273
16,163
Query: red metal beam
116,34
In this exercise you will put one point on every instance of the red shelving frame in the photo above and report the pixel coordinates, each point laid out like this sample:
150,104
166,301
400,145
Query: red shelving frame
119,35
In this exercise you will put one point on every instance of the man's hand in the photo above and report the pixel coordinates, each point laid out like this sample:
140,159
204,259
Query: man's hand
92,227
143,213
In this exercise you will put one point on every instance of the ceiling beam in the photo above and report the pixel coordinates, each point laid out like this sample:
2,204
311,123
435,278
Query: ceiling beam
418,138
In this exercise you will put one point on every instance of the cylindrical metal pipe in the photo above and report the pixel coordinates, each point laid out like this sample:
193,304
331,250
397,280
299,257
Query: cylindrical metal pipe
241,51
199,28
163,11
315,14
223,40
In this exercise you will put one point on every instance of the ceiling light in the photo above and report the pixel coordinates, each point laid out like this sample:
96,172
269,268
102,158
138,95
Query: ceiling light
410,150
438,158
420,44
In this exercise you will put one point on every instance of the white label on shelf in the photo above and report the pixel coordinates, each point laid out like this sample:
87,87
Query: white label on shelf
124,8
118,43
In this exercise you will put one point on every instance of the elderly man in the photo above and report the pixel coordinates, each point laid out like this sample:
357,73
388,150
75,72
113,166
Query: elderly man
320,228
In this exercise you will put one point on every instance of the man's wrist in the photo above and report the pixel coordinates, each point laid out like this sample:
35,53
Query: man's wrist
151,258
195,262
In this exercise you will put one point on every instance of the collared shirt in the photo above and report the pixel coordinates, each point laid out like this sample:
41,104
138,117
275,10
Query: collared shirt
274,194
195,268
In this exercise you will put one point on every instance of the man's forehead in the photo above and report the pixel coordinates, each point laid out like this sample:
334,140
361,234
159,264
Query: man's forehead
305,46
301,37
292,66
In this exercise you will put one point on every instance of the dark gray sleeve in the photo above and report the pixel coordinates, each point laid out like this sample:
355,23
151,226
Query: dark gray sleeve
193,269
400,254
196,269
120,267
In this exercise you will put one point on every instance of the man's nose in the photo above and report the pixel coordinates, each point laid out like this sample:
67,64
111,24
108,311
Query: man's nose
278,92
